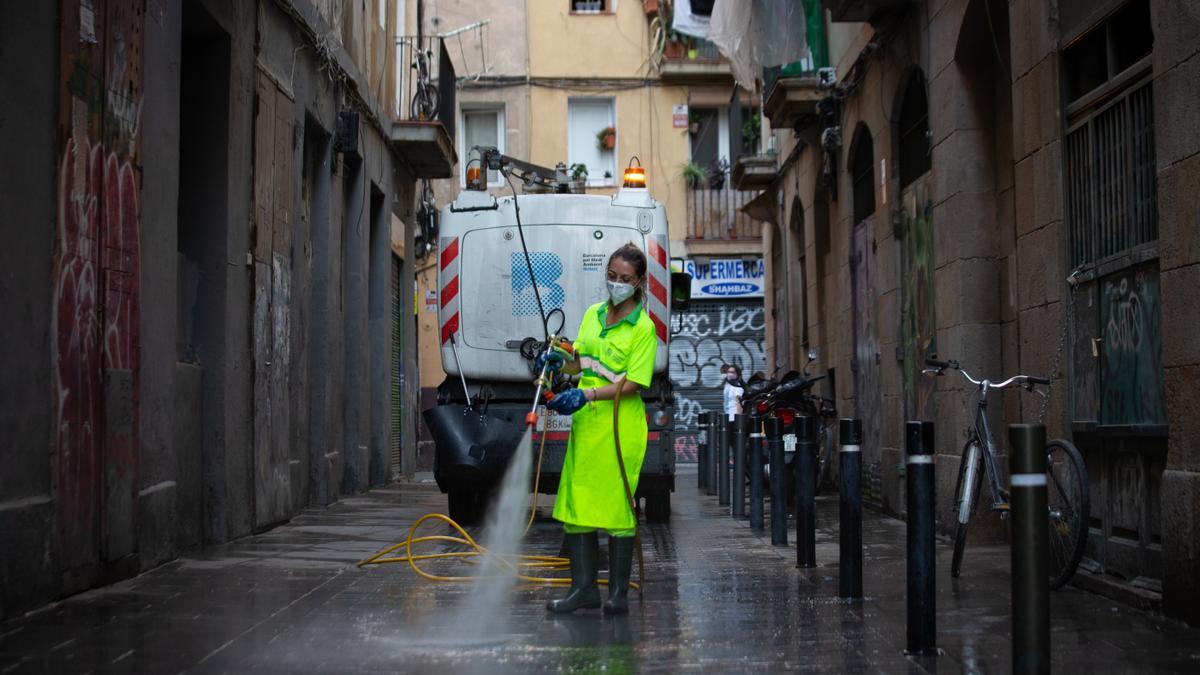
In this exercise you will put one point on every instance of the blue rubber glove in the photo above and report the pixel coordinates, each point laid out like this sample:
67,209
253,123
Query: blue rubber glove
551,359
567,402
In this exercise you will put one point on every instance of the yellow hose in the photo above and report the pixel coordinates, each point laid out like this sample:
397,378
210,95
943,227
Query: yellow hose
515,563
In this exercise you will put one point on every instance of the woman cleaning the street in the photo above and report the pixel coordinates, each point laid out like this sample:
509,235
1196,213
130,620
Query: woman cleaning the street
616,345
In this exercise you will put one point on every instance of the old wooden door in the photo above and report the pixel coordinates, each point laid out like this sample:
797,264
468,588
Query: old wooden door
865,361
918,330
271,328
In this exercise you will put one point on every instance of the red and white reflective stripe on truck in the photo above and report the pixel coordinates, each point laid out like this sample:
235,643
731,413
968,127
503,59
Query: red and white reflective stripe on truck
658,282
448,293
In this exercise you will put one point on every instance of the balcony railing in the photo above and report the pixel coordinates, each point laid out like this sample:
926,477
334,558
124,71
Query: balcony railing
429,53
716,215
423,132
694,61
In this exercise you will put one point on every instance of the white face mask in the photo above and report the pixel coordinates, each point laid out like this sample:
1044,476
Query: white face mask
620,292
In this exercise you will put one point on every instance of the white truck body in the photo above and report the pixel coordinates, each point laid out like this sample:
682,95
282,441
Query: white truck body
485,299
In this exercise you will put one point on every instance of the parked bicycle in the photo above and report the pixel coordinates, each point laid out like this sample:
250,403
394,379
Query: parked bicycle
1066,481
425,95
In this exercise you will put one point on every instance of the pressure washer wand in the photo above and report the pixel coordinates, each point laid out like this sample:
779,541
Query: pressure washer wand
532,417
562,345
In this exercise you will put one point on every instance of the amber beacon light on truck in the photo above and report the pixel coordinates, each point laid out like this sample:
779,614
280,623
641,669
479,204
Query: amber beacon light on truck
635,176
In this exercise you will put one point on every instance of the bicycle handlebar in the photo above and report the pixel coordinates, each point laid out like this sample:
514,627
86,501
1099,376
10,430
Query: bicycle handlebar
1017,379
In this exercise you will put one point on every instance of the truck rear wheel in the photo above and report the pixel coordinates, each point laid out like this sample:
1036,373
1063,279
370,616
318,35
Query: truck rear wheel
658,506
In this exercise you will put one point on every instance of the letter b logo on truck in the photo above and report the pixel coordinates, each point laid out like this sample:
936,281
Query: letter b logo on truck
547,269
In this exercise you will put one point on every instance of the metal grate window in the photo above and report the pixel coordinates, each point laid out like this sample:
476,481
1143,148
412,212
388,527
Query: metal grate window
1111,192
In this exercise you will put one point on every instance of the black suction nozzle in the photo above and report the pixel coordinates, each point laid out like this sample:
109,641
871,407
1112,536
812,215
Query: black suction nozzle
471,446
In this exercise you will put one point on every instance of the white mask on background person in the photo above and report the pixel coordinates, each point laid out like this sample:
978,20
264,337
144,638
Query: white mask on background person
731,376
620,292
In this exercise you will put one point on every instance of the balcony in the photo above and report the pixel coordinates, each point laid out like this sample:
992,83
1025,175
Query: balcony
792,99
859,10
753,172
716,223
423,133
694,62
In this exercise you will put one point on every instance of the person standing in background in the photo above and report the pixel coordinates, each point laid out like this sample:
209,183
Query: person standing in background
733,390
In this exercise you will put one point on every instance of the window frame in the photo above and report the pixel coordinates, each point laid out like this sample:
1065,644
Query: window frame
595,178
608,8
1083,113
465,109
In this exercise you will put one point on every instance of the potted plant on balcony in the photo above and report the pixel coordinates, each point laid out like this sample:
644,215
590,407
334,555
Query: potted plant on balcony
606,138
751,131
716,176
693,174
676,45
693,123
579,172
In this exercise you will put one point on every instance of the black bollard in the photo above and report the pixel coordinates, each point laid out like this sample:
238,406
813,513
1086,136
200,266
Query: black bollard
756,473
774,433
1030,562
702,451
922,587
806,491
850,581
741,434
723,461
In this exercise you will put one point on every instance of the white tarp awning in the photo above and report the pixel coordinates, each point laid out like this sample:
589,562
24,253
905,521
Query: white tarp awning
754,34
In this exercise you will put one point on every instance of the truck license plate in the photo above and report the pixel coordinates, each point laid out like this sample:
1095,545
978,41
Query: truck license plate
548,420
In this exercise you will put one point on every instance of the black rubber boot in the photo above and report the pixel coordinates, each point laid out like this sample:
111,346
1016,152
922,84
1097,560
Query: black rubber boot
620,562
583,550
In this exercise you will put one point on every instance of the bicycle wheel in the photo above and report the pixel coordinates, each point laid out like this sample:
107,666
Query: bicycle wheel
1067,498
966,495
417,105
424,102
431,102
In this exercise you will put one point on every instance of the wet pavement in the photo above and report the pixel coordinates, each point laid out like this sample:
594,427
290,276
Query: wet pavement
719,598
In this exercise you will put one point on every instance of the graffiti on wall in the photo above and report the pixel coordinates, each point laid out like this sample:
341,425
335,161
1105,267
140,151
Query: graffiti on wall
917,328
700,343
95,313
1132,385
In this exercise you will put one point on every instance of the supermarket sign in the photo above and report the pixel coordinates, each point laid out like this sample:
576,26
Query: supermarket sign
724,278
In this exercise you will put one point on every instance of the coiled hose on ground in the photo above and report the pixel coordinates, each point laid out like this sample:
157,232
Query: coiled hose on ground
519,564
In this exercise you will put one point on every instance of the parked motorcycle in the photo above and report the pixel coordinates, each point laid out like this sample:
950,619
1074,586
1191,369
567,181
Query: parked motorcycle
786,398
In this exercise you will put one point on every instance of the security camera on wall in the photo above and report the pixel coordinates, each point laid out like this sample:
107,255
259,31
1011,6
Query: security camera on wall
826,78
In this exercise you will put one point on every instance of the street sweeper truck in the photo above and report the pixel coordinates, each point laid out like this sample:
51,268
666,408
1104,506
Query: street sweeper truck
516,273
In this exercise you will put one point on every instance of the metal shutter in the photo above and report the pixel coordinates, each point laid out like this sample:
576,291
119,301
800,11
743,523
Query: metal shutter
397,366
709,334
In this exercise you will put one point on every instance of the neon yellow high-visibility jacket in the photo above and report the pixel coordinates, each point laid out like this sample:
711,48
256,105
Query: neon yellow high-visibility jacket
590,492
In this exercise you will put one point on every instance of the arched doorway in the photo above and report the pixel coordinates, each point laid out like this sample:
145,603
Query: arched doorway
865,361
780,287
798,284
